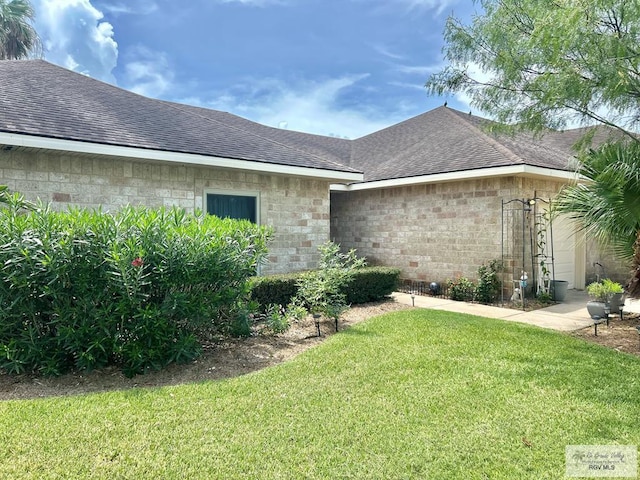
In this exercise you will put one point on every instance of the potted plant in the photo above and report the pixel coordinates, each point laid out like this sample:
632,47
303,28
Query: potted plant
603,294
615,293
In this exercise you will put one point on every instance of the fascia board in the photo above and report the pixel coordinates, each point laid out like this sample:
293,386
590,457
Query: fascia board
512,170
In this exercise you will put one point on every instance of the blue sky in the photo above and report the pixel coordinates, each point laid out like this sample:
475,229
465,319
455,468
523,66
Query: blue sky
330,67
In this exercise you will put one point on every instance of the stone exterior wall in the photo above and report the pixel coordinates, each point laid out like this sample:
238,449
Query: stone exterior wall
434,232
297,208
431,232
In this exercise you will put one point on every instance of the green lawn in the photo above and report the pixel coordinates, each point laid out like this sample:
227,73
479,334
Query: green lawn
412,394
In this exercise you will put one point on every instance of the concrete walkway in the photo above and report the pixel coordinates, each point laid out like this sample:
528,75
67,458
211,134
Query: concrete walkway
567,316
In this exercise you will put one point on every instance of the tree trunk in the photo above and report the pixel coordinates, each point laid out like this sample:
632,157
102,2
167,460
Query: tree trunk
633,289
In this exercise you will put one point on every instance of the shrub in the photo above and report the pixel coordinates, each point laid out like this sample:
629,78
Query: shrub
14,201
279,319
274,289
488,287
322,291
367,284
370,284
544,297
139,289
462,289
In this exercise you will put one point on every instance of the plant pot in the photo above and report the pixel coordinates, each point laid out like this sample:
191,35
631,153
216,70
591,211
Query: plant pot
559,290
597,309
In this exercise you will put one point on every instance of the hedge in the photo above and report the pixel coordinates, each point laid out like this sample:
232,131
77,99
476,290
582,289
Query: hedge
139,289
372,284
273,289
369,284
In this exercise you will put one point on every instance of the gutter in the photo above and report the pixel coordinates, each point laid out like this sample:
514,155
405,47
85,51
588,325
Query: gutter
511,170
30,141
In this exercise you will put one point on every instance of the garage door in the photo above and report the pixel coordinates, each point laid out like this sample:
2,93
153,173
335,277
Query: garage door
564,250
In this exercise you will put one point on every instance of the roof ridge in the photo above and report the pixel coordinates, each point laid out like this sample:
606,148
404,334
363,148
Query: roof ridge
178,107
492,141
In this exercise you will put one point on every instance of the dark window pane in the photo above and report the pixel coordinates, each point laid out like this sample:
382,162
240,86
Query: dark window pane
232,206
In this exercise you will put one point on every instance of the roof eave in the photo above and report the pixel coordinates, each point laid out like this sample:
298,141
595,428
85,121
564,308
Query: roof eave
32,141
511,170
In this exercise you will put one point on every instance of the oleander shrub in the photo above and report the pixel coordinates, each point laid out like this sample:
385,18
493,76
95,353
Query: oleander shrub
140,288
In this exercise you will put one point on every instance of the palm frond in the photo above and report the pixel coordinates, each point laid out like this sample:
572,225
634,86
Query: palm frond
607,204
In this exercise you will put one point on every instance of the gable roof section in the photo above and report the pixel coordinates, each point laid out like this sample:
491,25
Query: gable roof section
43,100
444,141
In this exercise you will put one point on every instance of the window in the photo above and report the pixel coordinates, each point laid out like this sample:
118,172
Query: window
239,206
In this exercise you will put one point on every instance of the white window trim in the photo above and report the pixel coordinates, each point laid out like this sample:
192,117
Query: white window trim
237,193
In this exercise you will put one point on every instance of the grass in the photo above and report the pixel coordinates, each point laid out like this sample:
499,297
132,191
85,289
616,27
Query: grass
412,394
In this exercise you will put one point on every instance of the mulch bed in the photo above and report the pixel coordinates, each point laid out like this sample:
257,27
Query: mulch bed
621,335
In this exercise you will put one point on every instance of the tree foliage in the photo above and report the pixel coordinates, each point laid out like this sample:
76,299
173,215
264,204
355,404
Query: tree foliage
607,204
547,62
18,38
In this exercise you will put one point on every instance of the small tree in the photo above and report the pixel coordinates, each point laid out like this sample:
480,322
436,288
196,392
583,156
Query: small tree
321,291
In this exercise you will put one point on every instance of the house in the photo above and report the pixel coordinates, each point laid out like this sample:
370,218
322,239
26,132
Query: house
435,195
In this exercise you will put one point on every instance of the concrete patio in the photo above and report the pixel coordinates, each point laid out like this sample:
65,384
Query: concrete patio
567,316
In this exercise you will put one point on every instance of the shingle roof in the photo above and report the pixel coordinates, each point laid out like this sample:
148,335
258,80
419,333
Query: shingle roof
38,98
41,99
444,140
335,149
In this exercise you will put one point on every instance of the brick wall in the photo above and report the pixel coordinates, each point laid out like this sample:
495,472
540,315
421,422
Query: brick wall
297,208
433,232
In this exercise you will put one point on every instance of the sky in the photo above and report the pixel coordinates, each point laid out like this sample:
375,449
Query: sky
342,68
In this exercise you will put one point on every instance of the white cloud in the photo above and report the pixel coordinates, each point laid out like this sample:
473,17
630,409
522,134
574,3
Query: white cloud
74,36
438,5
147,72
411,6
414,86
307,106
139,7
422,70
256,3
386,52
